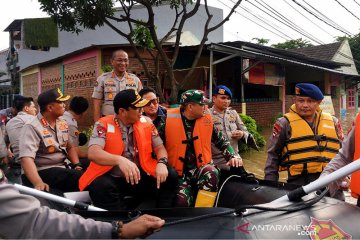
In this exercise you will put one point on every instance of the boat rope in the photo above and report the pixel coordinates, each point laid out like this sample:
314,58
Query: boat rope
239,211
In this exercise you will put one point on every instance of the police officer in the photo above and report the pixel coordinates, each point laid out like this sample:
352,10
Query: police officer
227,121
350,151
122,162
77,108
304,140
45,147
110,83
22,217
189,132
26,112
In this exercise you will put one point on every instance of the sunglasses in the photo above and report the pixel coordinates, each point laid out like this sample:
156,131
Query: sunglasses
154,101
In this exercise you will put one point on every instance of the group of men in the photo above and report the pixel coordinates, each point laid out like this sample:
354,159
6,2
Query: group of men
142,150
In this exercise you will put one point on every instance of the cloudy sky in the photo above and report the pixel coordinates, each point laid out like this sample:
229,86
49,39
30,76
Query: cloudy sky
276,20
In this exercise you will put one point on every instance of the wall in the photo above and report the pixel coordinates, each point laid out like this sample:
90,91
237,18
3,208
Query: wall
79,81
263,112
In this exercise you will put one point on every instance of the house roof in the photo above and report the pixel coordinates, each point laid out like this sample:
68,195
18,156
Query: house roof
323,52
14,26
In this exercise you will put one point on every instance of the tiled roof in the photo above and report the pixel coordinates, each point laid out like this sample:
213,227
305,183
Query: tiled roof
323,52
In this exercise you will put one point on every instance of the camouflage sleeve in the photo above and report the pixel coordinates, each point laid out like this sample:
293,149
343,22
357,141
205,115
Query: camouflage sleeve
222,144
161,130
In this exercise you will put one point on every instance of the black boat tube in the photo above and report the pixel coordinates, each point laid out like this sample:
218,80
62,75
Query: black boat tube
320,182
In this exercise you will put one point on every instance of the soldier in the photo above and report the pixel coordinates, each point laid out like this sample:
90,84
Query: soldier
110,83
26,112
45,147
77,108
122,161
304,140
227,121
189,133
153,110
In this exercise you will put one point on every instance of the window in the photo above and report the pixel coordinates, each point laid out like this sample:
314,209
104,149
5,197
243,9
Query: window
351,98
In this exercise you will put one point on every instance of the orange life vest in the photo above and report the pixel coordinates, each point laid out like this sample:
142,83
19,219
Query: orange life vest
115,145
355,177
176,140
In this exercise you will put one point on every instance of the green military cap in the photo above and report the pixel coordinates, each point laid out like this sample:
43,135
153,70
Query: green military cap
193,96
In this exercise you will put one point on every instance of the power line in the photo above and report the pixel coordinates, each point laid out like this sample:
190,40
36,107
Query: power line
265,21
285,21
357,3
347,9
308,19
253,21
324,18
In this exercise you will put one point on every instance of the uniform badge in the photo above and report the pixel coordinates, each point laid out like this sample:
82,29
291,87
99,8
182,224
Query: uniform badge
76,133
50,142
45,132
51,149
43,122
96,83
276,129
110,96
100,131
221,91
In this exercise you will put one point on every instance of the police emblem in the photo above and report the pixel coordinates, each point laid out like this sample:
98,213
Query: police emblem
221,91
297,91
110,96
51,149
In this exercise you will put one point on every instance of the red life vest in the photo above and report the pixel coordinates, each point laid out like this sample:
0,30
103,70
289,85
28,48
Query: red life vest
355,177
115,145
175,135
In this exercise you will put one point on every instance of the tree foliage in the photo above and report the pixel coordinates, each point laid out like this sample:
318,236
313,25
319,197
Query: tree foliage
73,15
354,43
251,126
261,41
291,44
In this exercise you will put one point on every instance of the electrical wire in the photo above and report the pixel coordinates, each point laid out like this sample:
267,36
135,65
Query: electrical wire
236,12
322,29
285,21
347,9
265,21
323,18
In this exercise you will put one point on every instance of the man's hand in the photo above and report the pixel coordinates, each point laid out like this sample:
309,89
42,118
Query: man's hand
235,162
41,186
141,227
237,134
130,170
161,174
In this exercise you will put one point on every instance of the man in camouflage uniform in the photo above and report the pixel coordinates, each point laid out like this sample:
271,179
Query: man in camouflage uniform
153,110
189,132
110,83
304,140
227,121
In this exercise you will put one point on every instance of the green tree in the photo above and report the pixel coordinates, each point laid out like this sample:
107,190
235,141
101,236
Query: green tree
261,41
291,44
354,43
72,15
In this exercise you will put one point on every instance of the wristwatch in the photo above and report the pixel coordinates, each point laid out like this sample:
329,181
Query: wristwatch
163,160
